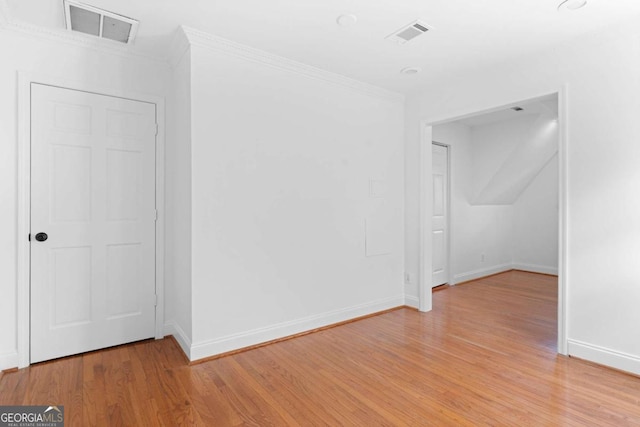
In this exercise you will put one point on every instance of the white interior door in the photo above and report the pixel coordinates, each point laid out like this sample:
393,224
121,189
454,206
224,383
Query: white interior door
439,234
93,194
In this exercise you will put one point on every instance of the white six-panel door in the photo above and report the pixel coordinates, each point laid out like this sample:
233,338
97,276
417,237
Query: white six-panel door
93,194
439,235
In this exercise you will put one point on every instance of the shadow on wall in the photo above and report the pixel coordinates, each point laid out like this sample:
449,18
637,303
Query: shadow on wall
525,162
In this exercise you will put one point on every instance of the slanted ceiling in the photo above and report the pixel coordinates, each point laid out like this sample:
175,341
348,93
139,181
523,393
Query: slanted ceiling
524,163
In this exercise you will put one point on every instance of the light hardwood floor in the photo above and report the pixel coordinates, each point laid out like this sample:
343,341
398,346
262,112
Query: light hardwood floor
486,355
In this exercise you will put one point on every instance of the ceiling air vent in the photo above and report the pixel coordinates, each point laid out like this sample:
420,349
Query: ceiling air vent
98,22
409,32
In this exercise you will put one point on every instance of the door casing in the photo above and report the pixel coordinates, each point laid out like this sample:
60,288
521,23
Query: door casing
24,197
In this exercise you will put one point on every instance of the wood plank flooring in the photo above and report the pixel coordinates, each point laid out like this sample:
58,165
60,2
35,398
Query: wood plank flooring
486,355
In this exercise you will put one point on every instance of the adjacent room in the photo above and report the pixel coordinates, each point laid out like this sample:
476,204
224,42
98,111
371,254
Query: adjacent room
496,205
503,204
342,213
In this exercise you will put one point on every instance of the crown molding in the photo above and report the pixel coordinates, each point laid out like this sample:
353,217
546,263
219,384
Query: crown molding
225,46
183,39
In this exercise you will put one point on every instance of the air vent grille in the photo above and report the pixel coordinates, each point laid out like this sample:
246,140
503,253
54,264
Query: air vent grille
409,32
98,22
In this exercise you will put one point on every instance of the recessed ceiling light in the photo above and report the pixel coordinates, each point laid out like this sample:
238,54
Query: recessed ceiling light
347,20
572,4
411,70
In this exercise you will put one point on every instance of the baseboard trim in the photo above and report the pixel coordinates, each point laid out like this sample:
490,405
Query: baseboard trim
503,268
604,356
301,334
484,272
8,361
411,301
257,337
533,268
172,328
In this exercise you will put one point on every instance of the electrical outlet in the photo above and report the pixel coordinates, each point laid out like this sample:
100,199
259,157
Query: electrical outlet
481,257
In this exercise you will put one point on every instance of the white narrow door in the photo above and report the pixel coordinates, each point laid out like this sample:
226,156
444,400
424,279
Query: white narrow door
93,194
439,235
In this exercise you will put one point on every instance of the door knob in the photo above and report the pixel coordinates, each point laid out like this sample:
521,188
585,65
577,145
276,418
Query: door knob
41,237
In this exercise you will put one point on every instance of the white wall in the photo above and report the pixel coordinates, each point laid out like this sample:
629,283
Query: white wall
63,60
531,221
265,220
530,143
282,157
603,175
178,241
535,223
477,231
492,145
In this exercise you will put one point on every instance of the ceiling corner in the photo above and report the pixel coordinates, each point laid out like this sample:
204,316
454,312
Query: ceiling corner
178,46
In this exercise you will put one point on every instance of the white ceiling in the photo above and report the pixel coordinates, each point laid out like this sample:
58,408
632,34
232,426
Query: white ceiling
466,33
547,105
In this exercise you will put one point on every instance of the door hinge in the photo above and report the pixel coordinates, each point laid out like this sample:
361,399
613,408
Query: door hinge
155,302
157,129
29,237
155,214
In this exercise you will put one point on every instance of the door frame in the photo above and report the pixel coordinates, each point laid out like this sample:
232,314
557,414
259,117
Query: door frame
25,80
425,186
448,215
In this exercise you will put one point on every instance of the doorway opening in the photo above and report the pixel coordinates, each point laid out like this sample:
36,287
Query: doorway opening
507,195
